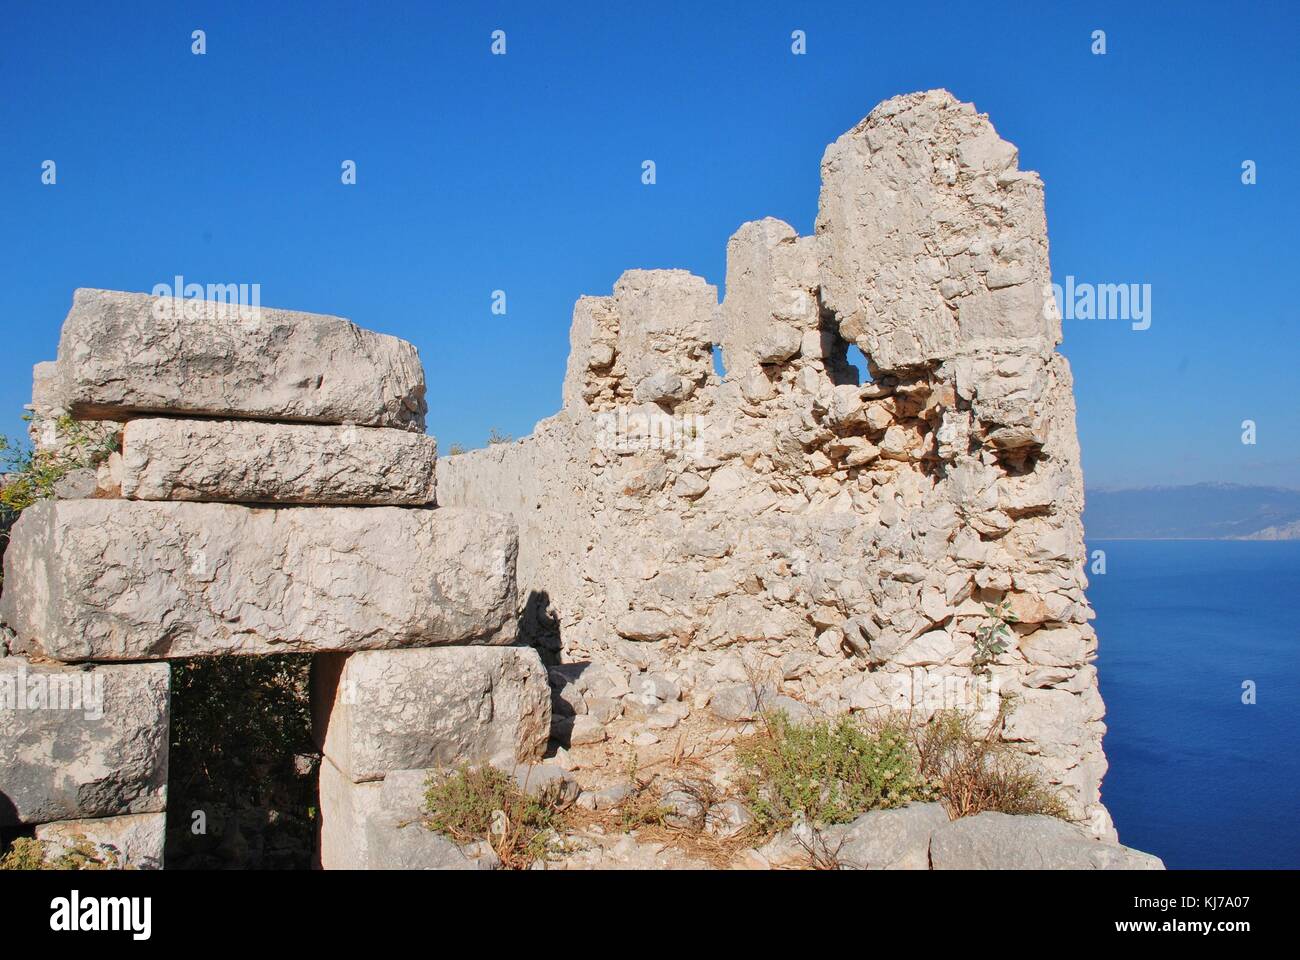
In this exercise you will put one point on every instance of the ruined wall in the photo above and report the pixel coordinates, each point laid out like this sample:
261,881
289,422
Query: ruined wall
841,540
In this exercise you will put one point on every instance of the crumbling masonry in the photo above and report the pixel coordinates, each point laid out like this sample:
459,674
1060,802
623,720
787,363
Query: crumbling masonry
842,540
779,534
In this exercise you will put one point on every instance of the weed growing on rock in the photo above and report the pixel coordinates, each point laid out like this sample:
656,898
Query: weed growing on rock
27,477
825,771
482,803
831,771
992,637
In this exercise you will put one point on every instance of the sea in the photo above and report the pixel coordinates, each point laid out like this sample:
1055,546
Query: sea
1199,665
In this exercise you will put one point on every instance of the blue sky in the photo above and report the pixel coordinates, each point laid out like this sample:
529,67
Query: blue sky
522,173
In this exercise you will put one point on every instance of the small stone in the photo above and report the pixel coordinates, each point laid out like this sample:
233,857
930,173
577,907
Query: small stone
728,818
736,702
604,709
643,738
587,729
662,720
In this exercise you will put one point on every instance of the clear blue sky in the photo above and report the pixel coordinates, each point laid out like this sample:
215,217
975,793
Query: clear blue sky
522,173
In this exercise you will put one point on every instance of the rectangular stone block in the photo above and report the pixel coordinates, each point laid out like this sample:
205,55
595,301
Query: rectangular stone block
345,809
246,461
385,710
361,830
78,743
135,841
130,353
136,580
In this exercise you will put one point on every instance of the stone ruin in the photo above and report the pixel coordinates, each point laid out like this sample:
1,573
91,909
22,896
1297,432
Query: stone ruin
778,534
274,493
841,540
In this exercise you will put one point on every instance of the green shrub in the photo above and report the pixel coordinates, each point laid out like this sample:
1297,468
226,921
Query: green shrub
234,719
833,770
826,771
239,725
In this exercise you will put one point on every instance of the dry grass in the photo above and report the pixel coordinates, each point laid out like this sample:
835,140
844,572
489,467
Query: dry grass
974,772
482,803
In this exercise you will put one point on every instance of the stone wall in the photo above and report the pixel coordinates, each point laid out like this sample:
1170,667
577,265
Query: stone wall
845,540
273,494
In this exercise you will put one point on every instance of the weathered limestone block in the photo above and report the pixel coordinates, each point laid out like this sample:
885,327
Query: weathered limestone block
135,580
363,829
247,461
130,353
392,844
892,839
771,302
932,242
651,341
385,710
997,841
136,840
82,743
345,808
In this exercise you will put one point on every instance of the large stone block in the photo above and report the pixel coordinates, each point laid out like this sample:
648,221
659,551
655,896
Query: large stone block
78,743
386,710
997,841
345,808
247,461
362,829
135,841
130,353
127,580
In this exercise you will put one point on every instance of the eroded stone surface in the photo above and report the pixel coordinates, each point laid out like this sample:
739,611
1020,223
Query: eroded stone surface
81,743
128,580
996,841
251,462
134,841
891,839
385,710
130,353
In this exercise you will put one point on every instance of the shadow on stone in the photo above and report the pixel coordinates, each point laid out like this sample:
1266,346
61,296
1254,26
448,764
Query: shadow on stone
539,626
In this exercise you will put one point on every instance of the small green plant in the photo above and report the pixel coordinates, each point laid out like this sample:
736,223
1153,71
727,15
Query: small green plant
992,637
495,436
31,476
27,477
28,853
483,803
825,771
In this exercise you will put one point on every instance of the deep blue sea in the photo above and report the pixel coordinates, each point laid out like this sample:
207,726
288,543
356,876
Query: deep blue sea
1196,776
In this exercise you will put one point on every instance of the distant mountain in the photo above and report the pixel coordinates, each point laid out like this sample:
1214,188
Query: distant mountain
1202,511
